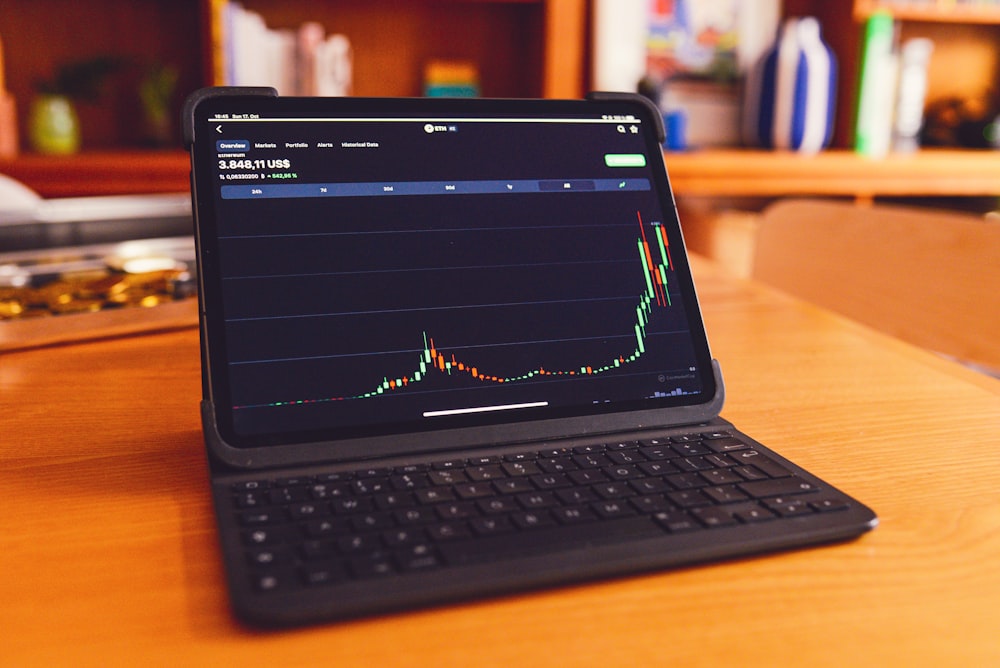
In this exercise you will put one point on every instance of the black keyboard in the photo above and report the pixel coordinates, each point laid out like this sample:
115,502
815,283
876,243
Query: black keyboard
320,529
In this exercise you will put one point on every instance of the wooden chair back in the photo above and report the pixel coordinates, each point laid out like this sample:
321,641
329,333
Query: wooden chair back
928,277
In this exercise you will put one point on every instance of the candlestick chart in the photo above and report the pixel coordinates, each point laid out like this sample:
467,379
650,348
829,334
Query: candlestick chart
453,353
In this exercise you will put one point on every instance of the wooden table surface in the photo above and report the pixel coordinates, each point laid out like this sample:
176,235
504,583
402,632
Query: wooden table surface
109,555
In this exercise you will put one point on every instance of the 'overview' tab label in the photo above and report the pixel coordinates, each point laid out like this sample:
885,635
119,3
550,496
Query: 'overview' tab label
225,145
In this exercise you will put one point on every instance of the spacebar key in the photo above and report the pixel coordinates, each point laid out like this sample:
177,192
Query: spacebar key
548,540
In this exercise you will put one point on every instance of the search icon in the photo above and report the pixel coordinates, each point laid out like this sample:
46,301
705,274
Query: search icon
621,129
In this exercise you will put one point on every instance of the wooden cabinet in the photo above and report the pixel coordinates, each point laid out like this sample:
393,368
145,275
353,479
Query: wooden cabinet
522,48
966,59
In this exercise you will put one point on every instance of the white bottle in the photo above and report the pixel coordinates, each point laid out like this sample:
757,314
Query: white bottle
915,57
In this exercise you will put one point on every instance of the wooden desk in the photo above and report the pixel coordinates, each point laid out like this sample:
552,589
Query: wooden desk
109,554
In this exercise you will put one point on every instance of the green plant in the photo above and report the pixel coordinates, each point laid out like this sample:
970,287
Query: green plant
82,80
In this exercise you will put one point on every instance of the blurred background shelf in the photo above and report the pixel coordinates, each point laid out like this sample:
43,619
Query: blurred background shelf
104,172
834,173
936,12
520,47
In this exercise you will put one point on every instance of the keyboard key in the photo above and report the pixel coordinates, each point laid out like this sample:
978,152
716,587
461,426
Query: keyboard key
350,505
520,468
450,464
456,511
283,495
649,485
725,444
720,477
752,513
622,445
490,526
591,461
258,517
533,519
335,477
789,506
391,500
410,516
557,465
613,490
622,472
500,504
263,536
314,550
829,504
613,508
720,461
265,557
676,521
686,481
777,487
418,557
402,537
576,496
626,457
573,515
658,468
550,481
532,500
249,486
688,464
749,472
447,477
370,568
358,543
480,473
449,531
409,481
435,495
292,481
372,521
767,466
688,499
513,485
724,494
305,511
325,527
314,575
691,449
251,500
474,490
265,583
651,503
657,452
587,477
713,516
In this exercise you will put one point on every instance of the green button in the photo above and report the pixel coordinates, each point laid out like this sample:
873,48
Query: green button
624,160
